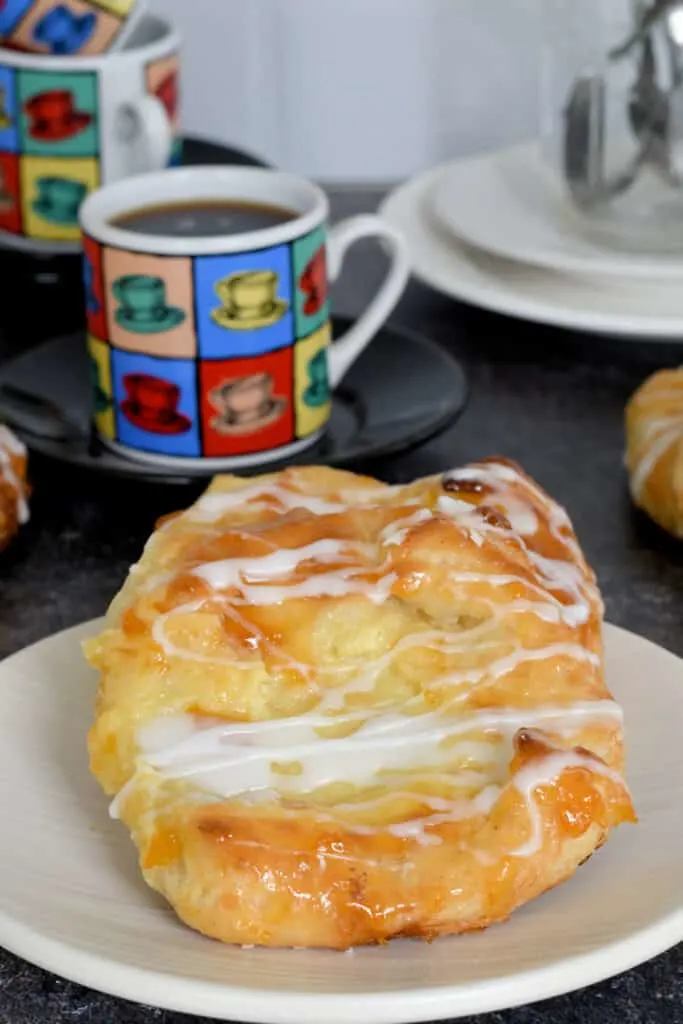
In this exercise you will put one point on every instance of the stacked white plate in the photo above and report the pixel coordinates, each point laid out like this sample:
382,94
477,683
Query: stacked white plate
497,231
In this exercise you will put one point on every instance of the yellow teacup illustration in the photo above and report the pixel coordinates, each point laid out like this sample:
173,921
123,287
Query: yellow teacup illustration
249,300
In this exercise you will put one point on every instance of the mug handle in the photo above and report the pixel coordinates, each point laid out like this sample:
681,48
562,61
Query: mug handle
154,134
346,349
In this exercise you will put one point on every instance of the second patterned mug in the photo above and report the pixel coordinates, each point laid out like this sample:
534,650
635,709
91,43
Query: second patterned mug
68,28
208,315
69,124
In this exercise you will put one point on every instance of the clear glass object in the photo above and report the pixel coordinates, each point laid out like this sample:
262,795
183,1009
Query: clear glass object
612,117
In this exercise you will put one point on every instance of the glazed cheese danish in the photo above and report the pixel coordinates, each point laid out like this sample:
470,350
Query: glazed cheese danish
333,712
13,485
654,448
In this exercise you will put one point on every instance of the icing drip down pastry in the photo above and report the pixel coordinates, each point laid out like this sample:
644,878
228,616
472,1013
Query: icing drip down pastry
333,712
14,490
654,448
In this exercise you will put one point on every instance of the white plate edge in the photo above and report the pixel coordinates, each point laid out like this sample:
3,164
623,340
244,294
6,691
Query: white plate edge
200,998
502,300
601,261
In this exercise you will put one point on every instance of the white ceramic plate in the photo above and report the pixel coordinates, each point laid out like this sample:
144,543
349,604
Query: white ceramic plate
629,308
509,203
71,899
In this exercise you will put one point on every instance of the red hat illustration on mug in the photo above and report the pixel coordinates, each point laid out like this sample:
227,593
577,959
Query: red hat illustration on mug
167,92
53,117
313,283
152,404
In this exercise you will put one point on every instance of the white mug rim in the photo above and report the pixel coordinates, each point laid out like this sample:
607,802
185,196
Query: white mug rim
196,184
169,38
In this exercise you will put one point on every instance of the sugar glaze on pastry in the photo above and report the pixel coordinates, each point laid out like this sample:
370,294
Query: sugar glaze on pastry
14,510
654,448
333,712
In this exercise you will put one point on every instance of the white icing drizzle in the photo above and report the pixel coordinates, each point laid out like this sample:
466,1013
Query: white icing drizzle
557,574
502,667
213,506
233,572
396,533
11,445
11,441
465,516
468,748
446,811
570,614
656,426
182,745
660,436
235,759
496,474
569,578
365,675
239,754
521,517
217,504
543,773
180,736
174,651
254,577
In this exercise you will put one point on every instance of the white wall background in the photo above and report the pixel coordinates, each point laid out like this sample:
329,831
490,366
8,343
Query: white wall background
360,90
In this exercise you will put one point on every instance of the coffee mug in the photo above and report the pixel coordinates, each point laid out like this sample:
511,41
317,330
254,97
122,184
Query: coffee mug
71,124
214,350
65,28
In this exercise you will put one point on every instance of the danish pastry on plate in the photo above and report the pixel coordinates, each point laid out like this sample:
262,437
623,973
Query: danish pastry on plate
13,485
333,712
654,448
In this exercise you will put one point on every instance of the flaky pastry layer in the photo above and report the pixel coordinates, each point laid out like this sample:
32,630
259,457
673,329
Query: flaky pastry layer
654,448
333,712
14,489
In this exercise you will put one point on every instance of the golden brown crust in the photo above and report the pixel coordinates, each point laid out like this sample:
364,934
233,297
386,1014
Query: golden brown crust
457,610
654,448
14,489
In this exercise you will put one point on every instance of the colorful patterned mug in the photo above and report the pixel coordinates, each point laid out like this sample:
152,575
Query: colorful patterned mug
70,124
65,28
214,349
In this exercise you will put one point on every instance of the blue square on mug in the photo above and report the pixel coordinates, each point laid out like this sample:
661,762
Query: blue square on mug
11,13
9,114
156,403
244,303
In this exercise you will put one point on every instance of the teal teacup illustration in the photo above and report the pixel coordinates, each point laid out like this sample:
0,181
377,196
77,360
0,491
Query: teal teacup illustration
143,308
59,199
318,391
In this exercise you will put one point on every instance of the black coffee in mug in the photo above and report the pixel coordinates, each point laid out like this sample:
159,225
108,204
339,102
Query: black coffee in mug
203,219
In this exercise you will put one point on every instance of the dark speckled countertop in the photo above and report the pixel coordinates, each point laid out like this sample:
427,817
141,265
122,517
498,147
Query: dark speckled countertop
553,400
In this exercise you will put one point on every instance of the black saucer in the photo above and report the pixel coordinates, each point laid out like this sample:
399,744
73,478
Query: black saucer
403,390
